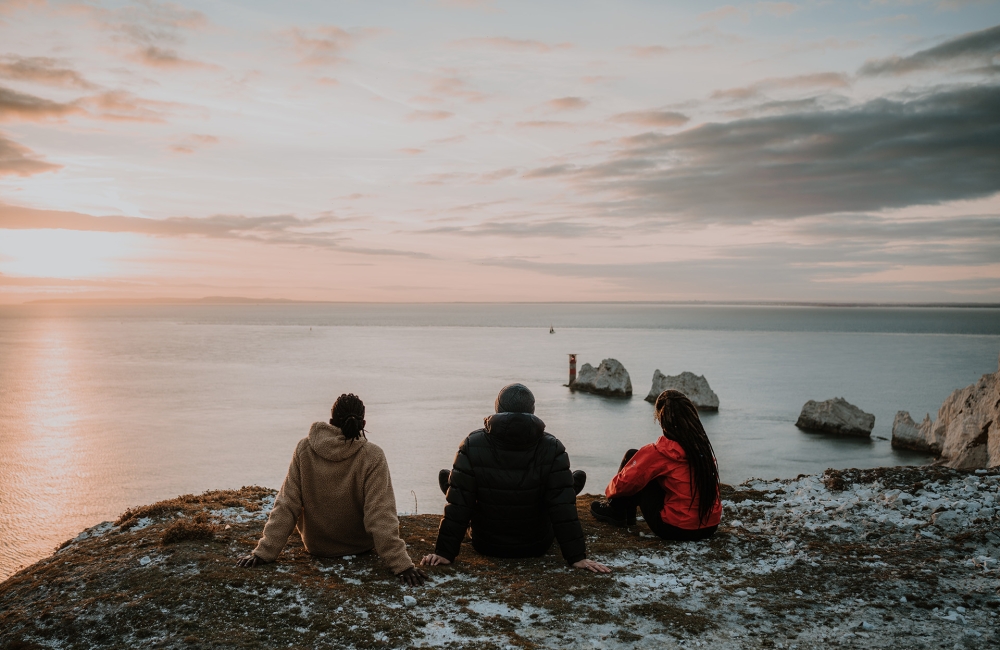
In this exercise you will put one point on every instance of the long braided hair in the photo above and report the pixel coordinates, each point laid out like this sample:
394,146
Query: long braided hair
348,415
678,417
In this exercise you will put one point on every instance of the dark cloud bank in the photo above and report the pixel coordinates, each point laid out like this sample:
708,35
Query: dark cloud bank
972,49
886,153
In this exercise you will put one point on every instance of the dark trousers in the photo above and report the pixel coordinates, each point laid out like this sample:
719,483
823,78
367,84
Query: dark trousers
579,480
650,501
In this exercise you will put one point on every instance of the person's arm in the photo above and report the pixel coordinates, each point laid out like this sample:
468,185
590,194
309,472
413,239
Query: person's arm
281,521
380,517
560,499
461,501
636,474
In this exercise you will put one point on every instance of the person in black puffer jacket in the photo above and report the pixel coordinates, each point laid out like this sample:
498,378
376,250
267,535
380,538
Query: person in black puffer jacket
512,482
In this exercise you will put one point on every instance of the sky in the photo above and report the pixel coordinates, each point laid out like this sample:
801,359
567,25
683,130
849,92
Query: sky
466,150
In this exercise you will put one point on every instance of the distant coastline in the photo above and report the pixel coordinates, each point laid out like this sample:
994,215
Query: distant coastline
241,300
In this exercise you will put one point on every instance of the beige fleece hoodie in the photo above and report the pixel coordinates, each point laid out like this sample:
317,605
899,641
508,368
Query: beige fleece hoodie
340,495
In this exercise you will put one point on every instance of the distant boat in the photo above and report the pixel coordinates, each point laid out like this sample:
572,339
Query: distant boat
552,330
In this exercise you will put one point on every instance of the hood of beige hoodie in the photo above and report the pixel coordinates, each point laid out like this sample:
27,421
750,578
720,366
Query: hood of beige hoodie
328,442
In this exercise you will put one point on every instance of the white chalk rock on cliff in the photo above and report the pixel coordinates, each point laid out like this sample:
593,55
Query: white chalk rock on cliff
609,379
694,386
907,434
964,433
836,416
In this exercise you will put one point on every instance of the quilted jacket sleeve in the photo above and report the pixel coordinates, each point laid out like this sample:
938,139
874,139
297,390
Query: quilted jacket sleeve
461,499
560,499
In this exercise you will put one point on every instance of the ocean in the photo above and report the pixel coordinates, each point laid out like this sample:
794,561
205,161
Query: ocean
105,407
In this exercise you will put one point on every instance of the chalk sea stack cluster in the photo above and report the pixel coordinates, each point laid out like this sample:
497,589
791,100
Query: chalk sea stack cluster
609,379
964,433
962,436
695,387
836,416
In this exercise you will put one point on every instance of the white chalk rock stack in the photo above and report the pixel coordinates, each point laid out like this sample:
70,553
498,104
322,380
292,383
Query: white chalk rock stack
907,434
695,387
964,433
609,379
836,416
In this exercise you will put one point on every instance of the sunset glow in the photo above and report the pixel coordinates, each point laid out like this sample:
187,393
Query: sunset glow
492,151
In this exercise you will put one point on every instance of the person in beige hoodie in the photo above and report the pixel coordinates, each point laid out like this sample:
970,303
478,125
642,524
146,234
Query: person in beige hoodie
338,493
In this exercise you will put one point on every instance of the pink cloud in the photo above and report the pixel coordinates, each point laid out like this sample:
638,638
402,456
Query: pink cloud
428,116
122,106
18,160
10,6
41,70
159,57
450,88
326,45
153,29
16,105
816,80
652,118
193,142
567,104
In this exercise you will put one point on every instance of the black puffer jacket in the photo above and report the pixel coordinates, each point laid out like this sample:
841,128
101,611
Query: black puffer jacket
511,480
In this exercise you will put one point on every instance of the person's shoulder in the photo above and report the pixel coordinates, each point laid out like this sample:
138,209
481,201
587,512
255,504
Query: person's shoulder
302,446
475,439
550,441
669,448
370,449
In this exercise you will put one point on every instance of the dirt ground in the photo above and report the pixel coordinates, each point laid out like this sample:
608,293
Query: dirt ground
849,559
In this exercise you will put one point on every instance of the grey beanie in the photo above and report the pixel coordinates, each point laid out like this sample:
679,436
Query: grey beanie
515,398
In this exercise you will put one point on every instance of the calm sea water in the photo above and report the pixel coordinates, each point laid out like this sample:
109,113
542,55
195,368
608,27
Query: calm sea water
105,407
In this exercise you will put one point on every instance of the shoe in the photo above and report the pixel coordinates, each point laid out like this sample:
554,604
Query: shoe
610,514
443,478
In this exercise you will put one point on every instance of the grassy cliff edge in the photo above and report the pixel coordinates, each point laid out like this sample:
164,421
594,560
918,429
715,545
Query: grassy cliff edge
903,556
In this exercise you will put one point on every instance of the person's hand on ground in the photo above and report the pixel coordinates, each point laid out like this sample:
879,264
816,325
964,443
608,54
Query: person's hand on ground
413,577
590,565
249,561
434,560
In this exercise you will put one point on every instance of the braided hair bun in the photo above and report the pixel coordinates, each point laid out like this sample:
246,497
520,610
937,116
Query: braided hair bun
348,415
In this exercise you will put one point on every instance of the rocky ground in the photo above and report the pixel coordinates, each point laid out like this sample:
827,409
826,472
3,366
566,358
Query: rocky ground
903,557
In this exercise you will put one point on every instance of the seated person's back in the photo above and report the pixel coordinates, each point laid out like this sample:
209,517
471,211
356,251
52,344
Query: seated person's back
511,481
338,494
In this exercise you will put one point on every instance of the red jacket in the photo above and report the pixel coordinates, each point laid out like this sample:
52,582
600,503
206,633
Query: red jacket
666,462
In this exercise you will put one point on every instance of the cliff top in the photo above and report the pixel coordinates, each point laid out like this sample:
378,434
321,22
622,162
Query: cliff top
893,556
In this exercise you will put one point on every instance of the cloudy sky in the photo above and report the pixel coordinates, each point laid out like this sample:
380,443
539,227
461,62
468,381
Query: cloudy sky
436,150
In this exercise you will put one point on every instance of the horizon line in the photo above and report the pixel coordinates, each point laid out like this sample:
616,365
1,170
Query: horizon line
241,300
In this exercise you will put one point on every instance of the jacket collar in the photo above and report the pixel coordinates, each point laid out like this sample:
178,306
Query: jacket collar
670,448
514,430
328,442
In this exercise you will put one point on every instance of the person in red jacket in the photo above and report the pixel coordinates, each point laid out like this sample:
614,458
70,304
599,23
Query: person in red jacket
668,478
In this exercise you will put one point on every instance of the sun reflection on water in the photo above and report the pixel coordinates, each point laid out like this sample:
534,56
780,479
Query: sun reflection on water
40,444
